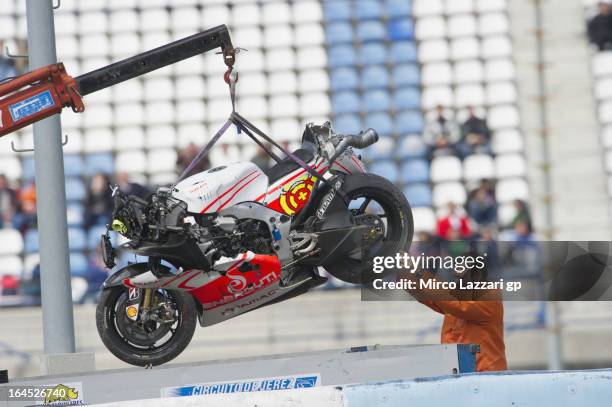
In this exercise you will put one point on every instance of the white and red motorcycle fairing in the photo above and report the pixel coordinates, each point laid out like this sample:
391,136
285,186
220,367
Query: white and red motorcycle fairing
225,291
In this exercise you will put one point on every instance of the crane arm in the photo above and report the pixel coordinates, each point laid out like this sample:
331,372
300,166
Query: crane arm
46,91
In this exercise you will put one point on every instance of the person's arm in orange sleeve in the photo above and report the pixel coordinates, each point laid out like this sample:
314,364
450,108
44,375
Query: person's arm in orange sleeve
424,296
468,310
445,303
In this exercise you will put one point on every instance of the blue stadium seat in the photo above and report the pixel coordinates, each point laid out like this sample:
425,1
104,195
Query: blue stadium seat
28,170
347,124
414,171
73,165
101,162
400,29
75,190
371,31
344,79
385,169
381,122
409,123
376,100
406,75
407,99
403,51
368,10
338,33
418,195
77,239
341,55
31,241
375,77
383,150
345,102
75,213
398,8
337,10
412,147
373,54
78,263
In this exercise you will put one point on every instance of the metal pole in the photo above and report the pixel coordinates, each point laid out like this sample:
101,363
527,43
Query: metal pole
553,327
58,323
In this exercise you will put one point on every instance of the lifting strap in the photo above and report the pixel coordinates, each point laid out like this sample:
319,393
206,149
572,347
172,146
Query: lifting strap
243,124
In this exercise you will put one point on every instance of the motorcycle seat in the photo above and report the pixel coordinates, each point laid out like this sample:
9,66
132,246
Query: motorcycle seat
287,166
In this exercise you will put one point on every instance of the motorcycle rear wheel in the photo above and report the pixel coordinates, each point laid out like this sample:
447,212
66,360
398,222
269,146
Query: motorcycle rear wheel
130,342
399,225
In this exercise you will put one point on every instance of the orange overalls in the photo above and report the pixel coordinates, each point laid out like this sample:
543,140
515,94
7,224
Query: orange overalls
479,322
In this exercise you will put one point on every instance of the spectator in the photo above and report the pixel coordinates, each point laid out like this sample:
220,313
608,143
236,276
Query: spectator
99,203
96,274
25,217
521,233
482,206
600,27
8,202
476,136
522,215
487,245
7,69
522,254
187,155
131,188
454,221
441,135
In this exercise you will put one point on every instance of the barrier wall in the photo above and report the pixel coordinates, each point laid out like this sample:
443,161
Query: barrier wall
578,388
300,370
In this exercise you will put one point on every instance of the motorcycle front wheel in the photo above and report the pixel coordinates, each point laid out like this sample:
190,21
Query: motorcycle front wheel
374,198
148,343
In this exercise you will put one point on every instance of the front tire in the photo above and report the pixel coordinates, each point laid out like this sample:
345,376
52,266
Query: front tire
399,225
112,324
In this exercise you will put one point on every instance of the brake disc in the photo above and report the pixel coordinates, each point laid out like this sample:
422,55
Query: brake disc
141,332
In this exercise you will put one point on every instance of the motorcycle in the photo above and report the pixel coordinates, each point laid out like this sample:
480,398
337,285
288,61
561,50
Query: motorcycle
234,238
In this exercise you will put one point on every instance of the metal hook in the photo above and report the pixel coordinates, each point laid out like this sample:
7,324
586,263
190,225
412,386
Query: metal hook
8,54
59,4
20,150
29,150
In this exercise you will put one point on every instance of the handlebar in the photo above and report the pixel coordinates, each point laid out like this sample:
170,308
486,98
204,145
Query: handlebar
362,140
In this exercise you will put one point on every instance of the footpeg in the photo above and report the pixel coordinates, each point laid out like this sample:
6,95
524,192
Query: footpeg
302,243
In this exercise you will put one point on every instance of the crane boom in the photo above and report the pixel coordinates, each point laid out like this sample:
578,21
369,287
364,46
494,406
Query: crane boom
44,92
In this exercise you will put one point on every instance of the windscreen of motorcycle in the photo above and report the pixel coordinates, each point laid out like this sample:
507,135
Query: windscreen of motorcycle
221,187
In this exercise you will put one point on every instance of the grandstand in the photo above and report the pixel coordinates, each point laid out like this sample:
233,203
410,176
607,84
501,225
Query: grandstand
377,64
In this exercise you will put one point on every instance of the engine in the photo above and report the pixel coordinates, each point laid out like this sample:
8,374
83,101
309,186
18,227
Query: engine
228,236
164,220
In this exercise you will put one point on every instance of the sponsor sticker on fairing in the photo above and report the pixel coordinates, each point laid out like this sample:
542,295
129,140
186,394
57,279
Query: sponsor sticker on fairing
244,386
327,200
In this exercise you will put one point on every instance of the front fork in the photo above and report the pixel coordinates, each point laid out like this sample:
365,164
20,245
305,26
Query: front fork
140,302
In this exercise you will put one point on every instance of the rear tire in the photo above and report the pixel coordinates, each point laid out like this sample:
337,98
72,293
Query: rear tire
107,320
400,225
